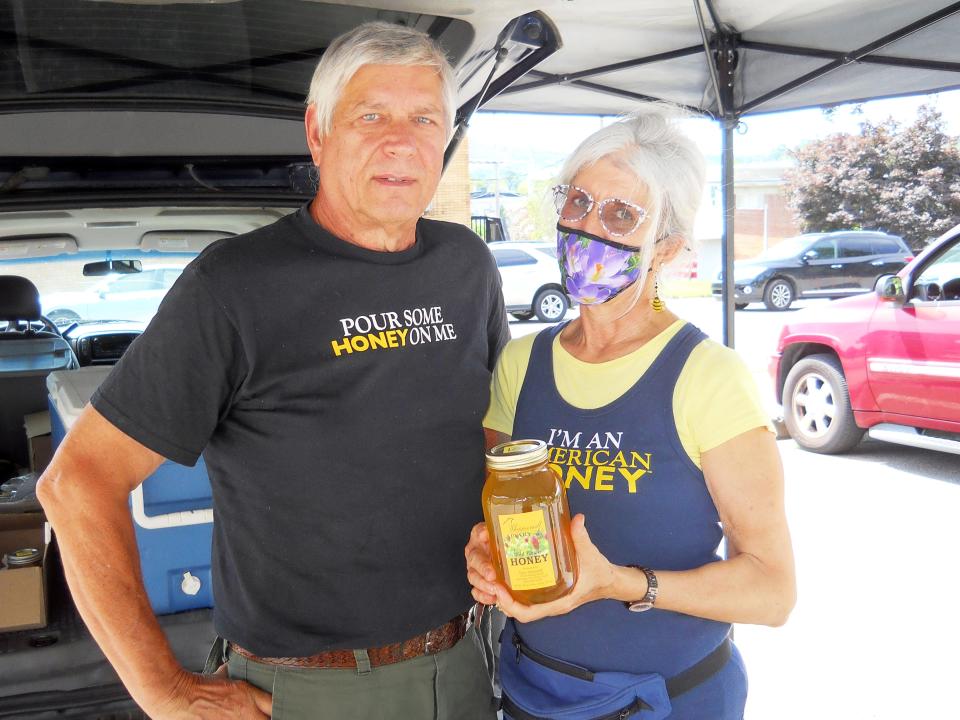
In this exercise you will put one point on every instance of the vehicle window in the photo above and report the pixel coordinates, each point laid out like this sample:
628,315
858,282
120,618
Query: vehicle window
509,258
785,249
825,248
855,247
550,252
170,277
68,296
885,246
134,283
944,272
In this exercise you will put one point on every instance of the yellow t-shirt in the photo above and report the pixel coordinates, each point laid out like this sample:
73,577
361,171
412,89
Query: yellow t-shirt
715,399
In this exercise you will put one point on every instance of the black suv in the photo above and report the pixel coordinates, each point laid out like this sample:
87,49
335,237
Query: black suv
828,265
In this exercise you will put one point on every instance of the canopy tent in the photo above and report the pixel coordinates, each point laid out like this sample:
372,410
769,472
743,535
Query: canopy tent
730,58
240,73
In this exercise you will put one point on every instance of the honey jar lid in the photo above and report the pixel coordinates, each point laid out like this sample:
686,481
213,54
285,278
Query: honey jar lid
24,557
516,454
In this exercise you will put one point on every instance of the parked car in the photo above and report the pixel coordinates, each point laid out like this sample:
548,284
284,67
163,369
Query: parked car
886,363
531,280
120,297
101,342
142,132
823,265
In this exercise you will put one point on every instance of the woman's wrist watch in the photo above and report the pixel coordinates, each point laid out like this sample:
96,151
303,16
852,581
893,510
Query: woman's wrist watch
647,601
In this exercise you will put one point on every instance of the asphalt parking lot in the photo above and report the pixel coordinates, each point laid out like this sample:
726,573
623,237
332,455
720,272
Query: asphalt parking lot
875,633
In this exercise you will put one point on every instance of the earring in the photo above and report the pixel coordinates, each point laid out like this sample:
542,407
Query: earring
657,303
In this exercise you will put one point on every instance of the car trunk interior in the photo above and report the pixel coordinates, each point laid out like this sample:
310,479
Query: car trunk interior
146,130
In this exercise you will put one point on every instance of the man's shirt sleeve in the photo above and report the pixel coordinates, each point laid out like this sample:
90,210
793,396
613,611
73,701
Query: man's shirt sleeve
177,381
498,328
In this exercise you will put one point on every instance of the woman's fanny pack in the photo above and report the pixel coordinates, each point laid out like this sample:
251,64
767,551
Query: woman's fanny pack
539,687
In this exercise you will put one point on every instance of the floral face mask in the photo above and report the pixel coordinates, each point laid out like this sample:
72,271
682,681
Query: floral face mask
594,270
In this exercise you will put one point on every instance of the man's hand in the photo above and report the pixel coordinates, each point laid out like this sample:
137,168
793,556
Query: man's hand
208,697
595,579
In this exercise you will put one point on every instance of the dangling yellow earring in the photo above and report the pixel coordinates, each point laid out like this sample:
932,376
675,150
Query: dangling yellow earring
657,303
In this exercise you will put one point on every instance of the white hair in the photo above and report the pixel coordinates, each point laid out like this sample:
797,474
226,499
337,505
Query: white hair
650,144
377,43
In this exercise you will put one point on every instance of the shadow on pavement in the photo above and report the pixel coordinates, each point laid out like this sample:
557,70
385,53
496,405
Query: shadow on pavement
912,461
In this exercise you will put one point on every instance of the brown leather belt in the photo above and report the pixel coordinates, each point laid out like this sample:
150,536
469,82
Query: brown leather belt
431,642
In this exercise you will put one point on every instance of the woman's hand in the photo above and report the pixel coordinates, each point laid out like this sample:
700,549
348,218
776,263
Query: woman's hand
480,572
595,580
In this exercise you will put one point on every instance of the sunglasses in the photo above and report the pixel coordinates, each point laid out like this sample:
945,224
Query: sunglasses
618,217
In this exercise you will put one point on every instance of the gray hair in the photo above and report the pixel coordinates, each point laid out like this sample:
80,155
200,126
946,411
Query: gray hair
650,144
377,43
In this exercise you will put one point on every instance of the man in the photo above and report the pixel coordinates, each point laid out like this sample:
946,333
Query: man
333,368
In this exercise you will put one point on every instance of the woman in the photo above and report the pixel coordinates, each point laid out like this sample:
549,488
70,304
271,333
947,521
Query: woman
664,448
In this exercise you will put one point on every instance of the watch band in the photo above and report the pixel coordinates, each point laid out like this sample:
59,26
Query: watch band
647,601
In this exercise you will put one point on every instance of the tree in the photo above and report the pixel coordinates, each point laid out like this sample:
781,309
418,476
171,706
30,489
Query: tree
904,180
542,216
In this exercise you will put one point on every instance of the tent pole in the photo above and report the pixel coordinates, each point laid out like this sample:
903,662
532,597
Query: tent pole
722,60
726,248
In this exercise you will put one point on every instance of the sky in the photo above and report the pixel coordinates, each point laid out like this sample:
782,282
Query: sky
518,138
533,147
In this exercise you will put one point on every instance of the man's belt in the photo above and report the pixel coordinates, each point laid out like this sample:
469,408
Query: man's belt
429,643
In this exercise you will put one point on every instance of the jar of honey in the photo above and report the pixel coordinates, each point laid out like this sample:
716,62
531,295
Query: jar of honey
24,557
527,517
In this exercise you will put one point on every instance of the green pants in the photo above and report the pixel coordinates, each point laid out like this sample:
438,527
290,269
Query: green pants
451,685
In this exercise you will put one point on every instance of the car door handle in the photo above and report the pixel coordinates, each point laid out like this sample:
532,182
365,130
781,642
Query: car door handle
877,262
836,267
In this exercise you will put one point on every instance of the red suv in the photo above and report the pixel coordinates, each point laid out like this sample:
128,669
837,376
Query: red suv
886,363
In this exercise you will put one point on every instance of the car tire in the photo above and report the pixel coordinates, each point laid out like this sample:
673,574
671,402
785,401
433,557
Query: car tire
61,318
523,316
550,305
816,406
739,306
778,294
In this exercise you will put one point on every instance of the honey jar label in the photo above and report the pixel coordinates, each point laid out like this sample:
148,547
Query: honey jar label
527,551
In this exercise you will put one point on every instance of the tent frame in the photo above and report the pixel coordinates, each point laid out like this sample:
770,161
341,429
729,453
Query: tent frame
721,46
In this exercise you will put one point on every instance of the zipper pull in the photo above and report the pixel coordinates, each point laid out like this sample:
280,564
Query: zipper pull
516,644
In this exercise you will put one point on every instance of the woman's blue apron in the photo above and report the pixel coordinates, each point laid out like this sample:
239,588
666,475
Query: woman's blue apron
645,503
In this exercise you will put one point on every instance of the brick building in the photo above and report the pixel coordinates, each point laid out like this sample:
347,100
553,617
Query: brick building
761,219
452,201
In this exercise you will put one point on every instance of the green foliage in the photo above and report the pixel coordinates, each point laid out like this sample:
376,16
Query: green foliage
537,220
904,180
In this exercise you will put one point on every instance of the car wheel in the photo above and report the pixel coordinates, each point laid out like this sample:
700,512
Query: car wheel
550,306
62,318
523,315
816,406
778,295
739,306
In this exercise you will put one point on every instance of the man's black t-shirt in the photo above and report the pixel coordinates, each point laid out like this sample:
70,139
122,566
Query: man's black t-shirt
337,395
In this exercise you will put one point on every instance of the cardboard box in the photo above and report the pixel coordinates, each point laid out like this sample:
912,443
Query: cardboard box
37,427
23,591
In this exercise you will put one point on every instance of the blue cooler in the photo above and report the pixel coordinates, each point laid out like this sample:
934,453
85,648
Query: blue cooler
172,509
